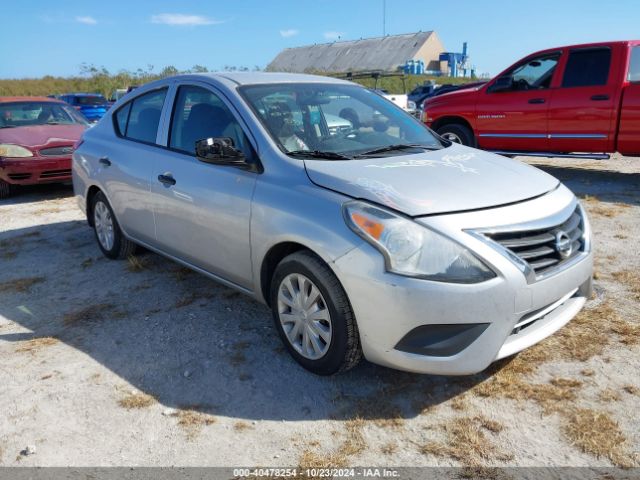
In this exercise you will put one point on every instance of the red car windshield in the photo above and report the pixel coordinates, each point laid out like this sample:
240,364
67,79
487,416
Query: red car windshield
22,114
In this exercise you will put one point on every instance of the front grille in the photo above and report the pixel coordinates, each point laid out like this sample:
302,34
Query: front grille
62,151
334,130
55,173
545,249
19,176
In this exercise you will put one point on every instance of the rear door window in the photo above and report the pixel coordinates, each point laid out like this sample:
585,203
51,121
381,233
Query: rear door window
634,65
140,118
587,68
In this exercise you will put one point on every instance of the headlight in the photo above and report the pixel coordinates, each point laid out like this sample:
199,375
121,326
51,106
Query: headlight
16,151
412,250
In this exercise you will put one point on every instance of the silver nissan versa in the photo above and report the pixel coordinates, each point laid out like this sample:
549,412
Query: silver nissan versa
374,238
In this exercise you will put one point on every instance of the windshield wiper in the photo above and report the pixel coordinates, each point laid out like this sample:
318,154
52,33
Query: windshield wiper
392,148
319,154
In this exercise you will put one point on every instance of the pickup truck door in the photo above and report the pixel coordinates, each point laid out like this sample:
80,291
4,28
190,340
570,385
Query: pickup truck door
584,107
515,117
202,211
629,129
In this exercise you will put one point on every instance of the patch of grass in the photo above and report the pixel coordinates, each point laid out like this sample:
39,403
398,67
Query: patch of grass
36,344
192,419
241,426
186,300
90,313
609,395
181,273
9,247
458,403
136,400
20,285
587,372
238,357
466,442
137,264
353,444
86,263
599,208
598,434
631,389
389,448
630,279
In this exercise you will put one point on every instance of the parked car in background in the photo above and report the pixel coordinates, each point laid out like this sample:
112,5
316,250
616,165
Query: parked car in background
579,98
383,240
37,135
92,105
116,95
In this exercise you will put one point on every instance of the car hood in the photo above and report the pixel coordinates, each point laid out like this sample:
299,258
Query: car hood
453,179
39,135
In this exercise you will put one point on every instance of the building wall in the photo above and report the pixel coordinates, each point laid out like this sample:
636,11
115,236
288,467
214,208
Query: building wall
430,52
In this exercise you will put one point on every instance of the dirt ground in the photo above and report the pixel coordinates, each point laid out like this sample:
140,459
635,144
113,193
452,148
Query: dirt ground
143,362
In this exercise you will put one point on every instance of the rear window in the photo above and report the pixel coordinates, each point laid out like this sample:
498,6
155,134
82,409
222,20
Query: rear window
139,119
90,100
634,65
588,67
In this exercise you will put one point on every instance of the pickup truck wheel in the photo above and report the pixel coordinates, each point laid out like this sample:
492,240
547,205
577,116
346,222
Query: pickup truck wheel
6,189
457,133
313,315
110,238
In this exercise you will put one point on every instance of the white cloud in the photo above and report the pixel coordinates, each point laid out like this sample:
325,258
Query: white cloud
292,32
182,19
333,35
86,20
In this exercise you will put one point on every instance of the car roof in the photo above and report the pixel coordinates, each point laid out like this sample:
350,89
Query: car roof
587,45
84,94
29,99
252,78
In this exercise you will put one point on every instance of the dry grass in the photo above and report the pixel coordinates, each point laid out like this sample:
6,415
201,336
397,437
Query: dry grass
10,247
136,400
20,285
598,434
137,264
87,262
609,395
587,372
181,273
186,300
599,208
631,389
630,279
241,426
238,357
389,448
458,403
353,444
467,443
193,419
91,313
36,344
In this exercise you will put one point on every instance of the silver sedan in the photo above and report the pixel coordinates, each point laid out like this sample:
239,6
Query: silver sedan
363,231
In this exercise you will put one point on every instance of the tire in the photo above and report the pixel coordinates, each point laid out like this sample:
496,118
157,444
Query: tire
119,247
6,189
343,350
457,133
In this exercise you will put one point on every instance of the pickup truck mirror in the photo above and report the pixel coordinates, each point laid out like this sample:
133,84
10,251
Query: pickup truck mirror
502,84
219,151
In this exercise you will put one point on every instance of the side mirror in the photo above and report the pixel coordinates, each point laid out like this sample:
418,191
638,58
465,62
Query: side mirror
220,151
502,84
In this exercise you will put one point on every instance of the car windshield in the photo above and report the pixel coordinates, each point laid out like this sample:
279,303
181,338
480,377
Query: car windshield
23,114
90,100
342,121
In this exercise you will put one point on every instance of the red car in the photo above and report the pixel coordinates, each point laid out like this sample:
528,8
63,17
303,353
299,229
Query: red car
37,135
580,98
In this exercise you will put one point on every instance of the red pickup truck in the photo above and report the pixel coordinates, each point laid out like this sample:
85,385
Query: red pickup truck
580,98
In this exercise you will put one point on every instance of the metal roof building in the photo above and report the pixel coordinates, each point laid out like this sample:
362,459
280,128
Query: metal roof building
382,53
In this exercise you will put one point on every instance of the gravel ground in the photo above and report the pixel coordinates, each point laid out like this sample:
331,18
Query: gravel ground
143,362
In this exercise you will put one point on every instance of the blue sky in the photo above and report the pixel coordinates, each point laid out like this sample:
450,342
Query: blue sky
43,37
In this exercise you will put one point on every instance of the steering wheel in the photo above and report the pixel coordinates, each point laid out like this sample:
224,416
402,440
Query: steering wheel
521,84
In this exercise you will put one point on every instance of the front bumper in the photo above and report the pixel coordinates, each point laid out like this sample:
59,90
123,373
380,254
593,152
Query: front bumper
389,306
32,170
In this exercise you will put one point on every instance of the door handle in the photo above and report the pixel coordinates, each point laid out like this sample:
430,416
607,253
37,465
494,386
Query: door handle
167,179
537,100
597,98
105,161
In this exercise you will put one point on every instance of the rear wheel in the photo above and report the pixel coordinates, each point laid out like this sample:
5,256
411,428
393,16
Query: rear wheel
313,315
6,189
110,238
457,133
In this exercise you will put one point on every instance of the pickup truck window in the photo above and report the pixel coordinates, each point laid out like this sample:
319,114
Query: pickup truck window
536,73
634,65
587,67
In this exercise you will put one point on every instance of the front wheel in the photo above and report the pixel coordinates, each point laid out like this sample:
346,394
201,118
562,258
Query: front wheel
313,315
110,238
457,133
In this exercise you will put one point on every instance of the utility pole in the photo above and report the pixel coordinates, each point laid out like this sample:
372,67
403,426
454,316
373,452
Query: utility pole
384,18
